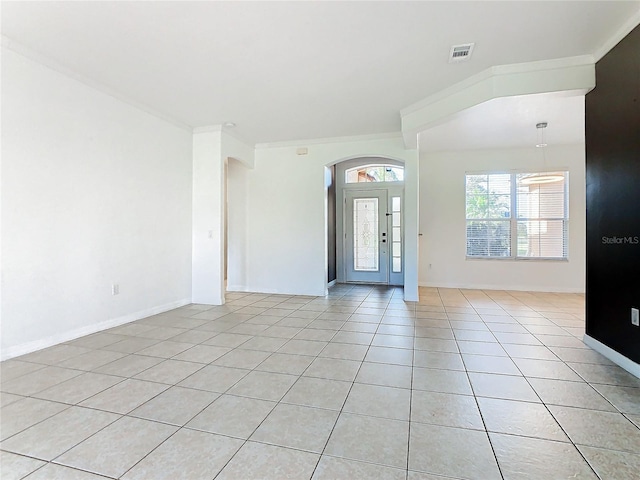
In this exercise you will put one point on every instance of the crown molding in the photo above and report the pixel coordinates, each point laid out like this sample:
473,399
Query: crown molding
233,134
328,140
45,61
575,75
509,69
207,128
619,34
447,92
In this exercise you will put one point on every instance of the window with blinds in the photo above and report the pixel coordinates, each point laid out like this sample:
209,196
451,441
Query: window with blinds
517,215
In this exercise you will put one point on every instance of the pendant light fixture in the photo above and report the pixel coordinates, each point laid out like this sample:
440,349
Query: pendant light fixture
540,127
544,177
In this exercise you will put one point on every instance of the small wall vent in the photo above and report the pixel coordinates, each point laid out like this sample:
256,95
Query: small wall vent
460,53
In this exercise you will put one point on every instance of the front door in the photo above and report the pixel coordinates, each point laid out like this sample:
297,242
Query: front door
373,237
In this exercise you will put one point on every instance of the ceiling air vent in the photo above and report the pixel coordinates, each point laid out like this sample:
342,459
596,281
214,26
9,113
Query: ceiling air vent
460,53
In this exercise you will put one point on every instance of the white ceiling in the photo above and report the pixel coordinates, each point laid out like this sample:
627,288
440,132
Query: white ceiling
510,122
301,70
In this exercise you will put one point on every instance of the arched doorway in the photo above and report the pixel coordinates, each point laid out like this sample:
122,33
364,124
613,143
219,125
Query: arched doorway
370,221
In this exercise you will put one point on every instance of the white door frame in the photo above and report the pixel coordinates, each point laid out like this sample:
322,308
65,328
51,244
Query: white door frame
394,188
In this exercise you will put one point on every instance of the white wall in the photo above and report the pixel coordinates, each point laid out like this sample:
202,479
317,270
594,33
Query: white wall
442,222
237,226
212,150
232,147
283,214
207,263
94,192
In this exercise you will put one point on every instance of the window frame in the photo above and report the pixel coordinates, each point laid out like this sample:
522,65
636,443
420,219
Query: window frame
373,165
513,218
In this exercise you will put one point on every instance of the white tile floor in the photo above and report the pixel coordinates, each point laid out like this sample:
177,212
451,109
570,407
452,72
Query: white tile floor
466,384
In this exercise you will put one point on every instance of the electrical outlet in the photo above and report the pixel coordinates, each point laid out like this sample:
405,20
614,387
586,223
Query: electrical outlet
115,289
635,317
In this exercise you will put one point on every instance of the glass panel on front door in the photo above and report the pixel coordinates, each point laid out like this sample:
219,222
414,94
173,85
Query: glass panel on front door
373,236
365,235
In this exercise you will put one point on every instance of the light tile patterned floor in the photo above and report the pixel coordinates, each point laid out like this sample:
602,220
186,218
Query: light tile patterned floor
465,384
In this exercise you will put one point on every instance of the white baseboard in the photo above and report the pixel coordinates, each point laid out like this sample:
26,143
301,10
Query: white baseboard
35,345
332,283
271,291
515,288
243,288
629,365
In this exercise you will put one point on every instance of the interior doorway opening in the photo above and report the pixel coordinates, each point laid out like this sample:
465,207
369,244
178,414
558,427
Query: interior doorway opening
370,221
236,220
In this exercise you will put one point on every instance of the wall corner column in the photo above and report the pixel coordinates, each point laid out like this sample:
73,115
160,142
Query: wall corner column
208,213
411,229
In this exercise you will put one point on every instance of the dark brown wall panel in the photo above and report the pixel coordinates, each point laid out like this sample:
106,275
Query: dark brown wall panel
612,132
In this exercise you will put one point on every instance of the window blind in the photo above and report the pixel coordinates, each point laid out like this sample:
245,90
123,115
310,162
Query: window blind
518,215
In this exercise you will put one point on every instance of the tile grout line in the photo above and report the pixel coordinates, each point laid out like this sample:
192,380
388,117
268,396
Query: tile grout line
266,416
548,411
377,331
341,411
486,430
